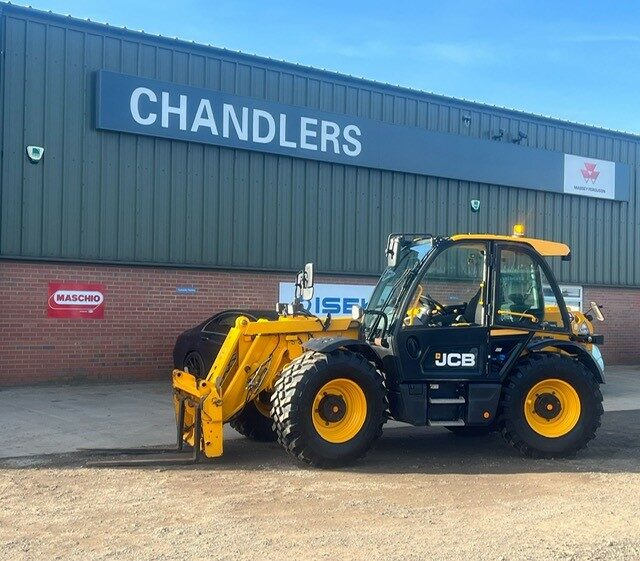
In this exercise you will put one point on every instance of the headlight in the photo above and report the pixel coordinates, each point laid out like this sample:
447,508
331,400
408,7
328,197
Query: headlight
583,329
597,356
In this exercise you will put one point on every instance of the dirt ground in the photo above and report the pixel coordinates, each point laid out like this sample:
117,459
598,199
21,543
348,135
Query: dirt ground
420,495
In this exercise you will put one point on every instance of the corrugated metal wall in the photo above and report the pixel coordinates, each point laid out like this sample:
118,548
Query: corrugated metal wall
103,196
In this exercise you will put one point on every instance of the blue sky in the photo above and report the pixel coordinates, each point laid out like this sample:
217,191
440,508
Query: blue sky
573,60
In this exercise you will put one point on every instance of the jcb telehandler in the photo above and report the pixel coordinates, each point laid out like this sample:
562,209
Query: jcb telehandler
468,332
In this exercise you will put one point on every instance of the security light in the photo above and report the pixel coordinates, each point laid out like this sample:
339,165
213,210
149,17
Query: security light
521,136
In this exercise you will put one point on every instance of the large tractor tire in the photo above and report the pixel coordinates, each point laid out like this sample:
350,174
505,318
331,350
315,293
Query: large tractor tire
254,423
328,409
551,406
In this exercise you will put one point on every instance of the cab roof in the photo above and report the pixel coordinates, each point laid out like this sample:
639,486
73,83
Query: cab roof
543,247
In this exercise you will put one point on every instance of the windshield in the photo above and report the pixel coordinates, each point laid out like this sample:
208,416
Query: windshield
386,296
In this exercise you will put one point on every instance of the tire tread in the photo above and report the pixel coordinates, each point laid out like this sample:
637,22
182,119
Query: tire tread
293,380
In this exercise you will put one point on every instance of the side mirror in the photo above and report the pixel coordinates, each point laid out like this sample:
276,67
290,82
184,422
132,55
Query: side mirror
393,248
595,310
308,275
304,283
307,282
357,313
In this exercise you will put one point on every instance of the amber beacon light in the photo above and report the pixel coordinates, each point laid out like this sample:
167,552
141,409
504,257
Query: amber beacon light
518,230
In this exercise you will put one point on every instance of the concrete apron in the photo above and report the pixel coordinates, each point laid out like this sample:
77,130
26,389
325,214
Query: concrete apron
57,419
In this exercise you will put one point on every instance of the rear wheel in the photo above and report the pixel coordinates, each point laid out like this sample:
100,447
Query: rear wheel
328,409
254,421
551,406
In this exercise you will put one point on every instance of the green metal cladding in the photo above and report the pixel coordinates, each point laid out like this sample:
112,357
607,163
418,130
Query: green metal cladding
101,196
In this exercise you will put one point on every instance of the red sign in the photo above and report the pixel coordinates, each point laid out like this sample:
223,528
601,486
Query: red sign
84,300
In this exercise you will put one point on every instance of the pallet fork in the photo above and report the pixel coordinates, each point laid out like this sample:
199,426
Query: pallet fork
157,456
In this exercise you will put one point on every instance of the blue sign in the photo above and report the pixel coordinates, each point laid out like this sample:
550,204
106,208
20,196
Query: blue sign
186,289
336,299
164,109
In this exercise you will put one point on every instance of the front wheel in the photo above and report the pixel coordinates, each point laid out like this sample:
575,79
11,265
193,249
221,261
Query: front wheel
328,409
551,406
254,422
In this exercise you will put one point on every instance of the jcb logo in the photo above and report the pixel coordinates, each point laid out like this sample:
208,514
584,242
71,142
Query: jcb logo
455,359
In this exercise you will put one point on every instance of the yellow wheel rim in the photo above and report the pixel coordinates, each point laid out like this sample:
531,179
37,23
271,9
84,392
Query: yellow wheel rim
552,408
263,407
339,410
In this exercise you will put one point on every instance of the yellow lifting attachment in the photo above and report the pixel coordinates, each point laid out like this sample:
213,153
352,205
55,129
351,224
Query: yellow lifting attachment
252,356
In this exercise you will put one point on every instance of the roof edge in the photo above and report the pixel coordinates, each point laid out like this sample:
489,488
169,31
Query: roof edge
346,79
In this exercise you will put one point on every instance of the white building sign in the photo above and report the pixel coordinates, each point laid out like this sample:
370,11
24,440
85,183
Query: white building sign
589,177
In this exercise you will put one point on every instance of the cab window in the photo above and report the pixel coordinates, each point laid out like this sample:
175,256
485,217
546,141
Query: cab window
451,290
520,298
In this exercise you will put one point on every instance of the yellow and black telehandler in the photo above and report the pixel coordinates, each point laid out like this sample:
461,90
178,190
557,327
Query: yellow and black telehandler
468,332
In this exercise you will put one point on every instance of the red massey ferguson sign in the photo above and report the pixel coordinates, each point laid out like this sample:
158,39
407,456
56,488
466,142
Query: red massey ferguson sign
82,300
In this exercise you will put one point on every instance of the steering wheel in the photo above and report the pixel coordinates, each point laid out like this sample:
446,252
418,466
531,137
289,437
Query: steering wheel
426,298
422,300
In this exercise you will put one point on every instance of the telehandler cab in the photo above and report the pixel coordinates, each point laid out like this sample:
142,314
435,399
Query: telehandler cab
468,332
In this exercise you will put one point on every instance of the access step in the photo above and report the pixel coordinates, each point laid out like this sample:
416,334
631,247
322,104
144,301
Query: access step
451,423
447,400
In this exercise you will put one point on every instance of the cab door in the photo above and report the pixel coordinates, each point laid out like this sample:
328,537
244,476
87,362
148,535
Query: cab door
444,330
527,301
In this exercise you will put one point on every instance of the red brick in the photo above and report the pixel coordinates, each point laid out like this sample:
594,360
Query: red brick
143,316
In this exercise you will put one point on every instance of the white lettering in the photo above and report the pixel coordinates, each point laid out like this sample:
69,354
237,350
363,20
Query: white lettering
305,133
78,297
271,126
180,110
134,105
327,135
228,112
468,359
455,359
204,117
283,133
356,145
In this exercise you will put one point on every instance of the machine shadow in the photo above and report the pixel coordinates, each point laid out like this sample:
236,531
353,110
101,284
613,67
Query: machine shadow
412,450
418,450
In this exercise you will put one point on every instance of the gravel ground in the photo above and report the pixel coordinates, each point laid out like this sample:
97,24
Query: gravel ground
421,494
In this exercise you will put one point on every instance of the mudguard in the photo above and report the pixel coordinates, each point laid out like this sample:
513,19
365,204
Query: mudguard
327,345
574,349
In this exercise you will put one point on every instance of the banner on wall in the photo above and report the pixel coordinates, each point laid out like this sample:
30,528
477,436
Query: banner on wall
589,177
144,106
76,300
335,299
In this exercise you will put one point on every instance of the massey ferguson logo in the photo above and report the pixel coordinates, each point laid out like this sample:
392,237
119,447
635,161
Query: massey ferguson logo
455,359
589,172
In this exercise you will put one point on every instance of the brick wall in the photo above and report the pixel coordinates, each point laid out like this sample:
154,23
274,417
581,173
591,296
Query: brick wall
143,316
621,309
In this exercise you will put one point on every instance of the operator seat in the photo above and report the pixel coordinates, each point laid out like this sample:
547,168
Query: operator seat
471,311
